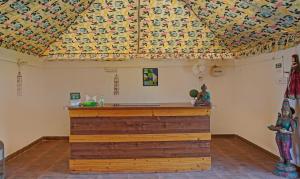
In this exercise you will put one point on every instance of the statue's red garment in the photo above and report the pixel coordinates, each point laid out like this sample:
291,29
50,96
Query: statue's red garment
293,88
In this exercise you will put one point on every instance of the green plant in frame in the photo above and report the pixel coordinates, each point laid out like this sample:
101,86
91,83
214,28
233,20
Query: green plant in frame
150,76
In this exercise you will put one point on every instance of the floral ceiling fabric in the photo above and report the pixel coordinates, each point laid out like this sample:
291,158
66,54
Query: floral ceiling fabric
169,27
249,27
107,29
111,29
155,29
31,26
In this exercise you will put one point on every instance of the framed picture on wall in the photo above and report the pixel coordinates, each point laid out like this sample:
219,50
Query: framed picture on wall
150,76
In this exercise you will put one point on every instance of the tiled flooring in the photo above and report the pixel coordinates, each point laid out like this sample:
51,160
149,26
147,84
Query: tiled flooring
231,159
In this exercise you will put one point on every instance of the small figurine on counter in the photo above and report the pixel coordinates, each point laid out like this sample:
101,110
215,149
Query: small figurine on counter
285,125
203,97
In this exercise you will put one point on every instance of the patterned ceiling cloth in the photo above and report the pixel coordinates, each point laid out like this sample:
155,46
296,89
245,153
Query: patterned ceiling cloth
31,26
151,29
107,28
249,27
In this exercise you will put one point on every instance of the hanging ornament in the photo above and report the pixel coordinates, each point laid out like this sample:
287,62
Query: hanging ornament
116,85
19,79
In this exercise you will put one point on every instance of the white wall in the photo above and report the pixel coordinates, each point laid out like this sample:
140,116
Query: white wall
175,81
246,99
40,111
258,96
21,118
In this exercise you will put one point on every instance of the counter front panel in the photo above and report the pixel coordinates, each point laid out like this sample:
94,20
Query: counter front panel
140,139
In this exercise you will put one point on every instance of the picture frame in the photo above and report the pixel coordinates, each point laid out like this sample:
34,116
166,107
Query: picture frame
150,76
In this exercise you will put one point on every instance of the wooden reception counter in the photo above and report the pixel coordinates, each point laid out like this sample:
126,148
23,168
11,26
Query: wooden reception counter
140,138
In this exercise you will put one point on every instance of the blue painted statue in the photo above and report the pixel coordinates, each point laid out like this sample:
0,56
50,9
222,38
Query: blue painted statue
203,97
284,128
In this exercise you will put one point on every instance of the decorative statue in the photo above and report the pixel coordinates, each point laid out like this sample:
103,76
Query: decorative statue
293,93
293,87
203,97
284,127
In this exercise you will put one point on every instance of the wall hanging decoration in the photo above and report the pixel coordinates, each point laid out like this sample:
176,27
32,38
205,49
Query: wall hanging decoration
198,69
19,84
116,85
216,71
293,87
19,79
150,76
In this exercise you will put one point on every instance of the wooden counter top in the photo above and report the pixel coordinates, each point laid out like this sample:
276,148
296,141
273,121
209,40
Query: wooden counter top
164,109
140,106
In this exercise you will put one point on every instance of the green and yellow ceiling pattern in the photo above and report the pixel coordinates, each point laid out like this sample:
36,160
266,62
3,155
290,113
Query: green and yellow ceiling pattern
251,26
31,26
151,29
107,29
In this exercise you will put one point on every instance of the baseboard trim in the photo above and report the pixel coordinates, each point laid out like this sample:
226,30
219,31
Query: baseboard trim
56,138
29,146
275,157
18,152
223,136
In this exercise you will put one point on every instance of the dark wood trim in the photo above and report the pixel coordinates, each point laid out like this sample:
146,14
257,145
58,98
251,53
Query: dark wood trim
18,152
29,146
223,136
275,157
55,138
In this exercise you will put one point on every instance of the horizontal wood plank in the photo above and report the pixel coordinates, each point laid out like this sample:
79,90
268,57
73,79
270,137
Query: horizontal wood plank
127,150
142,165
139,125
133,139
181,112
140,137
110,112
140,112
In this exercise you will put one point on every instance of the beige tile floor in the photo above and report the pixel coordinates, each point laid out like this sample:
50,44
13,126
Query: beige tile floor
231,159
